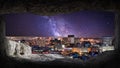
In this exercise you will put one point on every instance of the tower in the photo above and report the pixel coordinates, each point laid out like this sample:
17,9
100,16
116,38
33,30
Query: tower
71,40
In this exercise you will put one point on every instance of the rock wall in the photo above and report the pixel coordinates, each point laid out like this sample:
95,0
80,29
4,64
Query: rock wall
48,7
17,49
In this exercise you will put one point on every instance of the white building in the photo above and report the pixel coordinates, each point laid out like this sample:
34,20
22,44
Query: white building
107,41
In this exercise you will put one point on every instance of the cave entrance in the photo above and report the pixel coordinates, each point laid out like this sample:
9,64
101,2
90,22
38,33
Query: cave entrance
60,26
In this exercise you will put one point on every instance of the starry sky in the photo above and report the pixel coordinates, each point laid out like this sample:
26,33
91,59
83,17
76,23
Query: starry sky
81,24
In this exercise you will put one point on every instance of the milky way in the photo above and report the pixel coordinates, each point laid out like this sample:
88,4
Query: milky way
80,24
59,28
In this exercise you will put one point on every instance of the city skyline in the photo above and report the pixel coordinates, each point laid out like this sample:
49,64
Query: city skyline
80,24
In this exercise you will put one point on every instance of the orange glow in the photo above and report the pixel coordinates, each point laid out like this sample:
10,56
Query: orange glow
82,39
76,50
89,49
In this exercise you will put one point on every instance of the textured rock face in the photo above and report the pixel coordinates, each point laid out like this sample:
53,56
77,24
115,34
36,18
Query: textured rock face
48,7
16,49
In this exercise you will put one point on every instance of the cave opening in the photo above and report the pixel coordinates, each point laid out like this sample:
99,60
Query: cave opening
84,33
102,62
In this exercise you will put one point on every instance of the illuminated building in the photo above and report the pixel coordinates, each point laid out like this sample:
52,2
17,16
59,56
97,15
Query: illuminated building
107,41
71,39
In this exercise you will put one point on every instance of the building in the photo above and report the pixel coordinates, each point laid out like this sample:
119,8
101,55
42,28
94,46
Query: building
107,41
71,40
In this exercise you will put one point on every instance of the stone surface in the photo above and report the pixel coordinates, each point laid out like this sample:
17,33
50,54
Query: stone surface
48,7
51,7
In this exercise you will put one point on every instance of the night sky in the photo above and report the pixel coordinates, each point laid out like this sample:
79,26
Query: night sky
81,24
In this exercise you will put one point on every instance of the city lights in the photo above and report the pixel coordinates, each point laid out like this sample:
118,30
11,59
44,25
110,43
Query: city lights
77,35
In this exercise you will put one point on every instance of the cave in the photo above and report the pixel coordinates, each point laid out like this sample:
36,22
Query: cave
48,7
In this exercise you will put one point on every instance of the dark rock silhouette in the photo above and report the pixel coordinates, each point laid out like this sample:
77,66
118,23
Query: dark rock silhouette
48,7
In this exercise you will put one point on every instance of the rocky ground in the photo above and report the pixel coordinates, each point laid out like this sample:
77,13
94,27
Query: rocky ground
105,60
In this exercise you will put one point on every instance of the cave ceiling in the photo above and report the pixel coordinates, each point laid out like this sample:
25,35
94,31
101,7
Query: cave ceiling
52,7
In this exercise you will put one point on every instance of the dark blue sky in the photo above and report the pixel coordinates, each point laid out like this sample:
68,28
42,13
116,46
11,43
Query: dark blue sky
81,24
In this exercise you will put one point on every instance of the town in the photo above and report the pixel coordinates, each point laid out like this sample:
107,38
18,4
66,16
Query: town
61,47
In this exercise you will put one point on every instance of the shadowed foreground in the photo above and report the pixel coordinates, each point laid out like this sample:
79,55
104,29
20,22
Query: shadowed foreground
105,60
